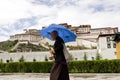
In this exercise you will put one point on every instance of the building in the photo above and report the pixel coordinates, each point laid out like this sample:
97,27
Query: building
106,30
106,46
102,38
31,35
117,40
73,29
87,36
66,25
83,29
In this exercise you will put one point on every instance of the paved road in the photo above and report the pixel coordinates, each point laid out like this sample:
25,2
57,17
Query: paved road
40,76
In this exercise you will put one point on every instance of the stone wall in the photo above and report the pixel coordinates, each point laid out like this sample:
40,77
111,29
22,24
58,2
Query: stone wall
40,56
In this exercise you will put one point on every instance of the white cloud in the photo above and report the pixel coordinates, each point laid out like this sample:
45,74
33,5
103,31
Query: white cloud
98,13
12,10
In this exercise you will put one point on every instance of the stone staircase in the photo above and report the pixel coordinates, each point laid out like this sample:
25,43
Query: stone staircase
15,47
1,51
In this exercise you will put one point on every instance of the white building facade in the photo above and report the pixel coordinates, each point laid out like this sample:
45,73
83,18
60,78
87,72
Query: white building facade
106,46
31,35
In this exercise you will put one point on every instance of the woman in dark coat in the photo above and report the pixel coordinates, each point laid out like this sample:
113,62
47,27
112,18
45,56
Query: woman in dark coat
59,70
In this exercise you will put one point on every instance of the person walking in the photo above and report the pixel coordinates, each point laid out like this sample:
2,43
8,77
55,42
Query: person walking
61,35
59,70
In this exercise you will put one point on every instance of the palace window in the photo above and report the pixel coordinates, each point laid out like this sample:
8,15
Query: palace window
114,45
108,39
108,45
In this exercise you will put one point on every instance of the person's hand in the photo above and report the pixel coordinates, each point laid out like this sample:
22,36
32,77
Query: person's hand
51,58
52,51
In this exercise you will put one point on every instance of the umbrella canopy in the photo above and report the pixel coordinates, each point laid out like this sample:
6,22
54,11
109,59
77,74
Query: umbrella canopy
63,32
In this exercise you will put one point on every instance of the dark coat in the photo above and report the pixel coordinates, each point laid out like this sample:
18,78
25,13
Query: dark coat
59,70
58,47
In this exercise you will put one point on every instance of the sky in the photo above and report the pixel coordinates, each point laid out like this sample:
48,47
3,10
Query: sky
16,15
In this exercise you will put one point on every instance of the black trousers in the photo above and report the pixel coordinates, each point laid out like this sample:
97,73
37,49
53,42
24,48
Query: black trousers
59,72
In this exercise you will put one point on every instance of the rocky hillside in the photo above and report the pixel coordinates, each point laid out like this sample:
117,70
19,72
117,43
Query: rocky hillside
31,47
9,47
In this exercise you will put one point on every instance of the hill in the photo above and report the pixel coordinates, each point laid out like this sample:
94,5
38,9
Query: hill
31,47
9,45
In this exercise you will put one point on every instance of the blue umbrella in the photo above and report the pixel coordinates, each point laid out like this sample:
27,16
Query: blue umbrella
63,32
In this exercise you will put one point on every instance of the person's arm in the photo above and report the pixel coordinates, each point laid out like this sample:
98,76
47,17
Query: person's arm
52,51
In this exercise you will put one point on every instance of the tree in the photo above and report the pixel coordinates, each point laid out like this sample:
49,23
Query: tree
71,57
1,60
11,60
98,56
7,61
22,59
46,59
34,60
85,56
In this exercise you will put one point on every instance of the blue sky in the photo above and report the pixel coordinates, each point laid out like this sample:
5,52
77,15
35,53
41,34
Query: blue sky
16,15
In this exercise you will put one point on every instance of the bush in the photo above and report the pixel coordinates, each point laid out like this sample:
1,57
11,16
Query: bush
77,47
96,66
2,67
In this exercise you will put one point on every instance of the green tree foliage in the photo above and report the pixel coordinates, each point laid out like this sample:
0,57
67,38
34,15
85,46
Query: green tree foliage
34,60
98,56
85,56
46,59
11,60
22,59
